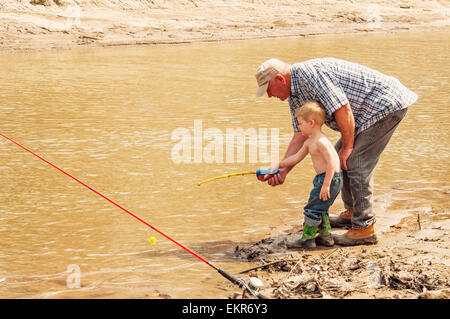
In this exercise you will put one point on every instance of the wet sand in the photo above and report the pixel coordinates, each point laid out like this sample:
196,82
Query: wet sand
62,24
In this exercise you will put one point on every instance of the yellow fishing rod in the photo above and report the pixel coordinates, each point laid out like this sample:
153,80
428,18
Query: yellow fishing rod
259,175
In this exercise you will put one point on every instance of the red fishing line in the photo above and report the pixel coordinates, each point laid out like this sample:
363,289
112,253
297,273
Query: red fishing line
109,200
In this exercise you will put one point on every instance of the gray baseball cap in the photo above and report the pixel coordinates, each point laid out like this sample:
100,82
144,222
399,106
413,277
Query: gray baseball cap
266,72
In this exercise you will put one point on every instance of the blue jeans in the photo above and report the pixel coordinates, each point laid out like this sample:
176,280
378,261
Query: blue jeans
316,207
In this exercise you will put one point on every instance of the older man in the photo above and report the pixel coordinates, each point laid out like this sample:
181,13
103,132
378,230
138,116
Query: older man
364,105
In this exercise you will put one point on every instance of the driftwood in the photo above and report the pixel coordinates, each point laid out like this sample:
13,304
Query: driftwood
267,265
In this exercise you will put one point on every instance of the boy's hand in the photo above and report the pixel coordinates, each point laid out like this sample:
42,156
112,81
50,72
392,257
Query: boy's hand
324,193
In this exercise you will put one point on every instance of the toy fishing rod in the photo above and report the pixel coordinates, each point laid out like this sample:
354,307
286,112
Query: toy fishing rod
239,282
259,175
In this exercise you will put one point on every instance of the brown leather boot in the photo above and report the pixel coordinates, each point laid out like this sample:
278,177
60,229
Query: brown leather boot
357,237
343,220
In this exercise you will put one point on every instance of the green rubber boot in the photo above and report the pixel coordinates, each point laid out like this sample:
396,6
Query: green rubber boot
309,232
325,238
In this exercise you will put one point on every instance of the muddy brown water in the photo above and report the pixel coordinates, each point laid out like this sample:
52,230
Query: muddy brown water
107,116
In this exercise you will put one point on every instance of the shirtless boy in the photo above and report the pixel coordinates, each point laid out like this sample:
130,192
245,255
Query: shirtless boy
328,181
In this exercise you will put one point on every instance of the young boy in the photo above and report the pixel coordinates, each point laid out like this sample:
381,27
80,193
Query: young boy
328,181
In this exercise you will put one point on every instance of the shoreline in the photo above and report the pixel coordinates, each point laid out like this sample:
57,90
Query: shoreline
408,262
27,27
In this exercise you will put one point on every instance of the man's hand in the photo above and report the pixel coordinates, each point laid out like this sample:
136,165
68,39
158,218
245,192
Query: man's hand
344,154
277,179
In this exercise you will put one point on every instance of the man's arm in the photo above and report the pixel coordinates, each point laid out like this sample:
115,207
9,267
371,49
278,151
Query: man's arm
294,146
346,123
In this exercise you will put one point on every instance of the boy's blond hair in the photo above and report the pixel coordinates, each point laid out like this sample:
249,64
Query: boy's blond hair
312,110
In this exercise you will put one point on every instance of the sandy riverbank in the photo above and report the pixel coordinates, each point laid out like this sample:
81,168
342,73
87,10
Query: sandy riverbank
411,260
65,24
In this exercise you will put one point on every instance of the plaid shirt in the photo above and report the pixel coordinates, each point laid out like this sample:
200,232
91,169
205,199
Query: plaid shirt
371,94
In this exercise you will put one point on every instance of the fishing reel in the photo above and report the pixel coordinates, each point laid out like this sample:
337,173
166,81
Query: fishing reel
261,172
254,284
